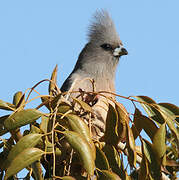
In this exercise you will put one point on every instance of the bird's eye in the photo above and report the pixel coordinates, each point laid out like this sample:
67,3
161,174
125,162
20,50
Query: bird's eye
106,47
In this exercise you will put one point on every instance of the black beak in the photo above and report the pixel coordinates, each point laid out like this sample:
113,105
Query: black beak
123,52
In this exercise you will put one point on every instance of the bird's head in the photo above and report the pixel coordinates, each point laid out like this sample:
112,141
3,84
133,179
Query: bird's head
103,36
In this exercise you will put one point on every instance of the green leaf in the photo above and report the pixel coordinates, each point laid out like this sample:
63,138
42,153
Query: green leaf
44,124
151,108
154,164
159,145
6,106
37,170
144,168
111,130
136,126
49,148
21,118
130,144
108,175
3,130
84,105
67,178
147,149
101,160
64,107
19,98
24,159
82,147
79,126
46,100
171,109
145,123
113,158
123,120
169,113
27,141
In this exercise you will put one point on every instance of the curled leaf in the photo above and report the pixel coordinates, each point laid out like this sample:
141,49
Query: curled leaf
52,85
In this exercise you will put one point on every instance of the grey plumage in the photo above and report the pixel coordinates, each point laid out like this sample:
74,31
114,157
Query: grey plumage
98,59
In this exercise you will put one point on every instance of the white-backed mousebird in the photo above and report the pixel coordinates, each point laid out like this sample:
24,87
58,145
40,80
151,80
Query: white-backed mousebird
97,61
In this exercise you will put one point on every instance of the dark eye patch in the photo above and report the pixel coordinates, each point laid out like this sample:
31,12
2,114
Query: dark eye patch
106,47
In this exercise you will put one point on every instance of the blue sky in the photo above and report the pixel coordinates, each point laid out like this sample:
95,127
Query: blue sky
38,34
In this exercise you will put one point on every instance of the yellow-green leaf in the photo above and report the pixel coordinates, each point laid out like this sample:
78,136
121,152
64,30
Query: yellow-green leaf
21,118
6,106
82,147
159,145
24,159
111,130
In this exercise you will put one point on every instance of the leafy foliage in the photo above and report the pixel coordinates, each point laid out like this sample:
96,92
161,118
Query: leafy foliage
61,140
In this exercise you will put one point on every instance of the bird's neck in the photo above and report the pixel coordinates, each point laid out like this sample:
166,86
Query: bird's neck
101,70
103,75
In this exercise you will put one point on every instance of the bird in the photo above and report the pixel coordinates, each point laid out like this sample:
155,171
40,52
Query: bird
97,63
